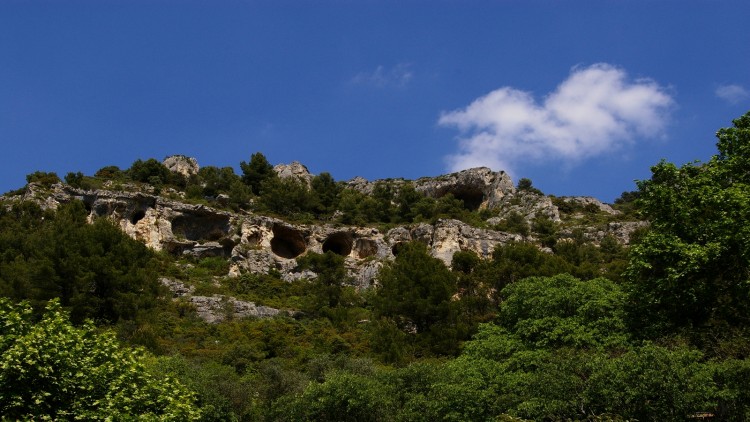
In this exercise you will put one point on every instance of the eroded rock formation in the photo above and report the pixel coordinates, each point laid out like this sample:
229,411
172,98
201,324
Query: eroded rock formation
259,244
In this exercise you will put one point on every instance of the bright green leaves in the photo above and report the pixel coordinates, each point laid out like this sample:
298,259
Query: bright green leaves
564,311
692,268
51,369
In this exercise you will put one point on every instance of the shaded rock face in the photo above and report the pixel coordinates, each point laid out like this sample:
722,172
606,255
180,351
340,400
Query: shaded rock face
186,166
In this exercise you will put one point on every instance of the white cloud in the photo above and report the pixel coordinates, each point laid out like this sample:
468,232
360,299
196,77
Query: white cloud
594,111
732,93
398,75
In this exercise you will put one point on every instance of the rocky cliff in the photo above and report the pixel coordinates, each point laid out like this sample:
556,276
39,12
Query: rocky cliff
259,244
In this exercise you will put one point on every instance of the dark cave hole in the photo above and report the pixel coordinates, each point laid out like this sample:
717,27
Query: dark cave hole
287,242
338,243
137,216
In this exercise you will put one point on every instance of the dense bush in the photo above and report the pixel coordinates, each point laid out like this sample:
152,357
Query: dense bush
52,370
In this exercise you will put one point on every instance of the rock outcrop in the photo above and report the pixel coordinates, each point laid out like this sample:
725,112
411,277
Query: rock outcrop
260,244
216,308
589,202
294,170
478,187
529,205
186,166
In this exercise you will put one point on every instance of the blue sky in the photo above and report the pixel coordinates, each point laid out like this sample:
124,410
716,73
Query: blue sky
582,97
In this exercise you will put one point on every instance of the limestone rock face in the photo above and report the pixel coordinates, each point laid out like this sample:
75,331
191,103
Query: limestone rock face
296,170
186,166
588,201
447,237
218,308
478,187
260,244
530,205
622,231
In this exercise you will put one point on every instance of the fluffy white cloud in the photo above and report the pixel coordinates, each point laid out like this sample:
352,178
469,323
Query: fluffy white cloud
596,110
398,75
732,93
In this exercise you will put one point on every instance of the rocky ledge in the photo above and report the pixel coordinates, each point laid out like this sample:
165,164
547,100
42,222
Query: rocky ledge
259,244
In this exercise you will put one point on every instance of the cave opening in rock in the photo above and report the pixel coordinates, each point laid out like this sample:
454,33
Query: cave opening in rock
201,228
397,248
287,242
339,243
137,216
471,198
365,248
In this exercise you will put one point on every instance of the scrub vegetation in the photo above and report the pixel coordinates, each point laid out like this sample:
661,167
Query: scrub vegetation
560,329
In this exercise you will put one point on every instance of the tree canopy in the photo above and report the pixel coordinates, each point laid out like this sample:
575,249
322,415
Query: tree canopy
53,370
692,268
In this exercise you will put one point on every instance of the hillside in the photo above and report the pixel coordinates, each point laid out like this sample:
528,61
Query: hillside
275,294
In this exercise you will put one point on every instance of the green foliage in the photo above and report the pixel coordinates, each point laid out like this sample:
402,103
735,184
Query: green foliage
331,281
691,268
289,197
325,193
109,173
465,261
78,180
525,184
627,203
269,290
415,293
150,171
214,180
564,311
257,171
342,397
518,260
221,393
43,178
53,370
95,269
514,223
545,229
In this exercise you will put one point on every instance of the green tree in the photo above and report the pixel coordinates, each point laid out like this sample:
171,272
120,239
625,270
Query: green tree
289,197
150,171
691,269
256,172
78,180
412,205
565,311
341,397
525,184
53,370
109,173
326,192
545,229
517,260
331,279
96,270
415,293
42,177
